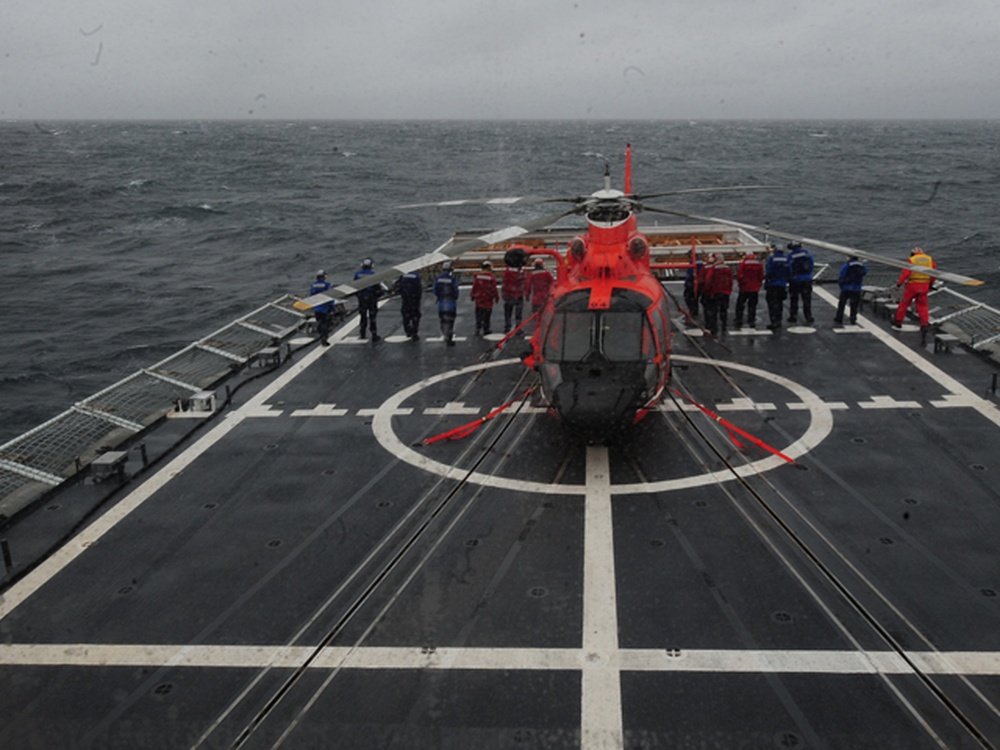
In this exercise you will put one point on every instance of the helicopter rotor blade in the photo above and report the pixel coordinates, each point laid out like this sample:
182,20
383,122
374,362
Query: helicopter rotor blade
448,251
841,249
522,200
693,191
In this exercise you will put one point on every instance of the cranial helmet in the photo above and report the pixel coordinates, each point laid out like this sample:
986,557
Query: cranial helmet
366,263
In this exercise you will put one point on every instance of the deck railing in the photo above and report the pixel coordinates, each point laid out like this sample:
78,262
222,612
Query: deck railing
48,455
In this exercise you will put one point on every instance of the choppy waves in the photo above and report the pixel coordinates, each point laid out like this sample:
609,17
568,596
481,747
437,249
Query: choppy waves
124,242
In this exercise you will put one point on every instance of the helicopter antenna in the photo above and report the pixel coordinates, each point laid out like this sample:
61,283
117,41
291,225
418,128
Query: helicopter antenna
627,187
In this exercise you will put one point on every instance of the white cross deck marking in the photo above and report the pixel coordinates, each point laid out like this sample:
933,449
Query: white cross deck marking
452,408
832,405
888,402
258,411
745,404
953,400
458,408
320,410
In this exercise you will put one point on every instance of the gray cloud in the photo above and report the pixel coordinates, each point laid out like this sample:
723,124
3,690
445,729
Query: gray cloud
499,59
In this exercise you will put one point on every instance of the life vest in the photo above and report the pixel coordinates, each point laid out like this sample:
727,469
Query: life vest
920,259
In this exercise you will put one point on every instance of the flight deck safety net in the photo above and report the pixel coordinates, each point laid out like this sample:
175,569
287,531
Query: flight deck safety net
975,324
46,456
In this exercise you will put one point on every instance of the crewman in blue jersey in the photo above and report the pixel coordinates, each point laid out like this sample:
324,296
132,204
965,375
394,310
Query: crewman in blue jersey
411,288
368,300
446,291
800,282
776,285
322,312
852,276
692,289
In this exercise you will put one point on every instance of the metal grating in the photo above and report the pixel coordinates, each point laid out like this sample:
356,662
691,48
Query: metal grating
980,324
237,341
55,447
34,462
196,367
278,321
976,324
140,398
880,278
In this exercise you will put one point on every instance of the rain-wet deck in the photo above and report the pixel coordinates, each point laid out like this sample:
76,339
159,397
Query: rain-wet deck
301,575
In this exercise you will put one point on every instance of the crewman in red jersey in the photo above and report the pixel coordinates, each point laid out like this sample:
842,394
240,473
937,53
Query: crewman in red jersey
749,278
513,296
484,294
915,285
539,285
718,288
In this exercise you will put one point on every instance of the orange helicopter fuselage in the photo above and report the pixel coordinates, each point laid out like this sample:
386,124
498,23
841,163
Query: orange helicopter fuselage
602,341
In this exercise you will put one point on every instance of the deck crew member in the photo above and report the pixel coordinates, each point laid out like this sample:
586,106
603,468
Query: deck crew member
852,275
512,291
368,300
692,286
411,288
446,291
776,285
718,288
749,277
539,285
915,285
322,312
800,282
484,295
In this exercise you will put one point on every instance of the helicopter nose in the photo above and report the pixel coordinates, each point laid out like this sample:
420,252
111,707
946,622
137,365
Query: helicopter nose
598,398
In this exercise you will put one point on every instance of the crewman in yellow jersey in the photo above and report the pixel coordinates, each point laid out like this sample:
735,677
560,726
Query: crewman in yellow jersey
915,285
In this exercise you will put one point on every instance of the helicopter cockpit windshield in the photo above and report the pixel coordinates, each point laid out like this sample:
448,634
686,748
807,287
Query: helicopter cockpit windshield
618,334
599,366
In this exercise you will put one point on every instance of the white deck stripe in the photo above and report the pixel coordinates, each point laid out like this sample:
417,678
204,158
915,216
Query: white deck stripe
969,397
716,661
601,700
62,557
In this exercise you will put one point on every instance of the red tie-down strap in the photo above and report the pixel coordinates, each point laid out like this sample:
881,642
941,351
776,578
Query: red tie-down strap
733,430
467,429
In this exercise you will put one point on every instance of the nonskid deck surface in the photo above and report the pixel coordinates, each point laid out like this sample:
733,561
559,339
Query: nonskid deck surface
303,575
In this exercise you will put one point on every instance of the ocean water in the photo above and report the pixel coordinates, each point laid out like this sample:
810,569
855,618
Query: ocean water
122,242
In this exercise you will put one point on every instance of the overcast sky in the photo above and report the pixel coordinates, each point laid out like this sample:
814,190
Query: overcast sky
490,59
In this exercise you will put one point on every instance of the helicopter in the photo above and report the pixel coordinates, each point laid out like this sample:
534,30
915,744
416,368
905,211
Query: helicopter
601,343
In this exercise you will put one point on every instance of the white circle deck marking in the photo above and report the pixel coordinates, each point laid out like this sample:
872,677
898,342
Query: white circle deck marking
820,426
